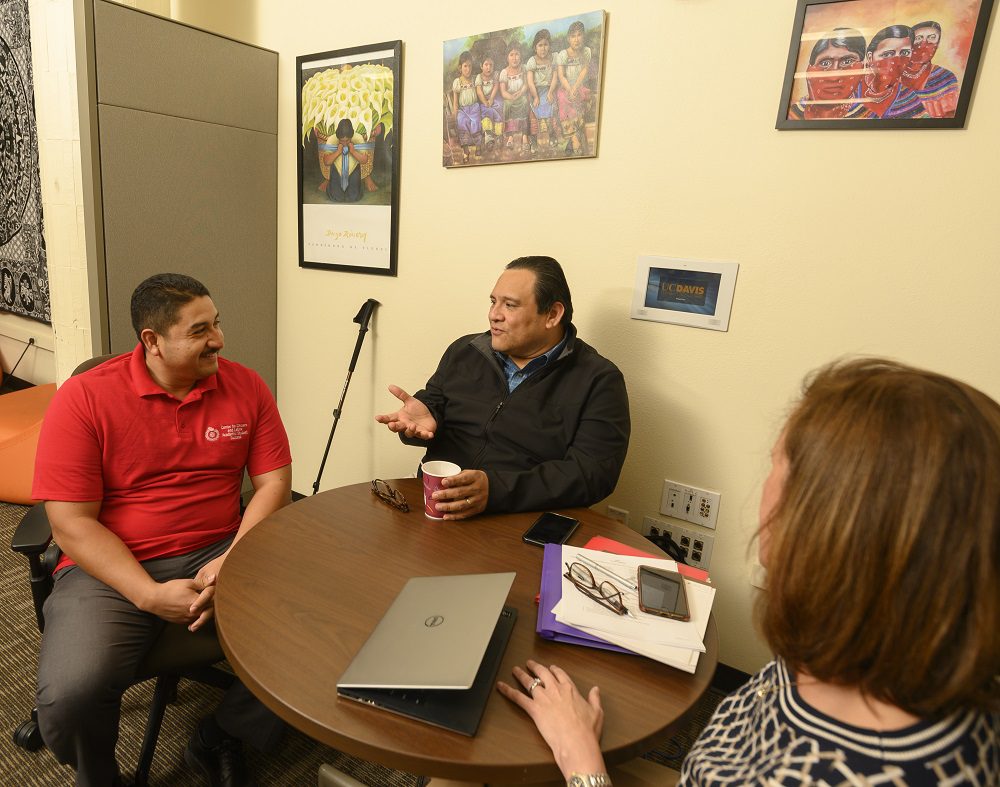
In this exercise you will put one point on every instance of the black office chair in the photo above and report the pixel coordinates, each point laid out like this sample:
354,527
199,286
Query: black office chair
176,653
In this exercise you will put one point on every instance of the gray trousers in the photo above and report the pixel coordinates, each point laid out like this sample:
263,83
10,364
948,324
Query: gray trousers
93,643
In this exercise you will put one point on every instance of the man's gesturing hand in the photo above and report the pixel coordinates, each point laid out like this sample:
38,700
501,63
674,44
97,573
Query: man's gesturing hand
413,419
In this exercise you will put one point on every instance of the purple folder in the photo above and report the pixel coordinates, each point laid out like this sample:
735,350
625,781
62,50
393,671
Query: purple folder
548,596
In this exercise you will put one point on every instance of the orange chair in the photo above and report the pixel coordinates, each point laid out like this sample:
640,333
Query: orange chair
20,422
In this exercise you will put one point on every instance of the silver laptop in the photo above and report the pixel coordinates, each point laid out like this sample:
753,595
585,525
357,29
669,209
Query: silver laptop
433,636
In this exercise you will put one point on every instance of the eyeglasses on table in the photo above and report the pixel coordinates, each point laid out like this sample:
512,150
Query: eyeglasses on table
389,494
606,593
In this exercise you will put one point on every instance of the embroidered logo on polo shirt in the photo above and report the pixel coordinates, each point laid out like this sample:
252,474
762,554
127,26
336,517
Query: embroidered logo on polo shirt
234,431
227,432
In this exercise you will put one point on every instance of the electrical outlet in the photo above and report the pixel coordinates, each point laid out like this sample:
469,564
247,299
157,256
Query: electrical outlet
696,547
670,504
677,499
687,504
698,506
618,513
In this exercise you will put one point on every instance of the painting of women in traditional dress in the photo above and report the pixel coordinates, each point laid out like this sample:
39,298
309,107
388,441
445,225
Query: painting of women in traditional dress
537,89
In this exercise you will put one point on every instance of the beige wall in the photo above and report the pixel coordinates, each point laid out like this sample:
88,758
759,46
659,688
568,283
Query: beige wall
835,257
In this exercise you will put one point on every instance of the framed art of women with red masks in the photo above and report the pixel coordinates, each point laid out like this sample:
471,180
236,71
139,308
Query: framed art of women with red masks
882,63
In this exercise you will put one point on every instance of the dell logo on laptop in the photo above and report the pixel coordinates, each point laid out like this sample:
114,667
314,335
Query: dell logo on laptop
434,620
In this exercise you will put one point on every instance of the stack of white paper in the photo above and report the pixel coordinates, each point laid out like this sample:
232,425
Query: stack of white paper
674,642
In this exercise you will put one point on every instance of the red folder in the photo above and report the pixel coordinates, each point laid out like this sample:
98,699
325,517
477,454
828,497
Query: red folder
618,548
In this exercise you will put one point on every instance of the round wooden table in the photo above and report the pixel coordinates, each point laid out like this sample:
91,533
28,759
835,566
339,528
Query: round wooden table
301,592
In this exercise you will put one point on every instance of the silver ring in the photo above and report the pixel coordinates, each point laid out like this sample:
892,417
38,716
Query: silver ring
531,686
468,502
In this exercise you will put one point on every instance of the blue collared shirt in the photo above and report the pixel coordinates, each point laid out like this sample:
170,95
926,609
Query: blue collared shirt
517,376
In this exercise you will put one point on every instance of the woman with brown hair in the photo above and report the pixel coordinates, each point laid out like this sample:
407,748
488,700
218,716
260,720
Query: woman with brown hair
880,528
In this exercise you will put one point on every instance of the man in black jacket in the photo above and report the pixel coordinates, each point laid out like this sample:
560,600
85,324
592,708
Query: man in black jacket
535,417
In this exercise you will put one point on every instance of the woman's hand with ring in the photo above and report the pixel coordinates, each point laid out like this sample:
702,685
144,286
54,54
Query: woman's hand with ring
570,724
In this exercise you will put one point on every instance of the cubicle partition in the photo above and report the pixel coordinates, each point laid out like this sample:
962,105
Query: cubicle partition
179,143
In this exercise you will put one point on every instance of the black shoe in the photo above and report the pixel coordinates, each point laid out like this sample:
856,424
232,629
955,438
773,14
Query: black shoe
222,765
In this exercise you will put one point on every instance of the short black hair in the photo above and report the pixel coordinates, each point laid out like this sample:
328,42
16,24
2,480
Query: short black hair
156,301
550,284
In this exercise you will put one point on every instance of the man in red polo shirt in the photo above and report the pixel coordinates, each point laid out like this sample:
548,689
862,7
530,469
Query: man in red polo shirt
140,463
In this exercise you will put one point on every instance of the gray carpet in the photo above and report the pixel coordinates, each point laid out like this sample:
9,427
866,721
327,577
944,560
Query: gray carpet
296,763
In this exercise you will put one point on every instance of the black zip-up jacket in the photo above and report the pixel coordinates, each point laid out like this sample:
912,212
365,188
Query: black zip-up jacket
558,440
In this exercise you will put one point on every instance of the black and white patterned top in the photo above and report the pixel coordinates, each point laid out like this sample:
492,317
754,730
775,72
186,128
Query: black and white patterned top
764,734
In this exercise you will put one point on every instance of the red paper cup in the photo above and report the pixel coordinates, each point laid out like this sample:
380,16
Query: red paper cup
433,473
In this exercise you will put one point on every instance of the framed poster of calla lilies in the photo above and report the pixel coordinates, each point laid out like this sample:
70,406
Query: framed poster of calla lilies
348,154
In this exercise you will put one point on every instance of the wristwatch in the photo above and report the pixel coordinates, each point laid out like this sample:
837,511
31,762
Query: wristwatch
588,780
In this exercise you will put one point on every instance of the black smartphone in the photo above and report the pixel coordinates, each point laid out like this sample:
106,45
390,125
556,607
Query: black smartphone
550,528
662,593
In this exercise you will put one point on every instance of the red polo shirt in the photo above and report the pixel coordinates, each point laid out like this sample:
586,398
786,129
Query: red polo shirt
167,473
